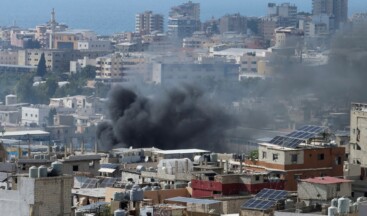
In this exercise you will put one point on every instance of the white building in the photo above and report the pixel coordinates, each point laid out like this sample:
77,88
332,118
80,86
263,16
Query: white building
78,65
323,189
110,68
37,115
94,45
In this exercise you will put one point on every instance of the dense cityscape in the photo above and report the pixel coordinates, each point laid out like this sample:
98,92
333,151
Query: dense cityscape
236,115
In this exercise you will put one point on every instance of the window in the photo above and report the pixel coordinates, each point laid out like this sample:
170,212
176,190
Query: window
337,187
257,178
264,154
321,156
294,158
275,157
338,160
75,168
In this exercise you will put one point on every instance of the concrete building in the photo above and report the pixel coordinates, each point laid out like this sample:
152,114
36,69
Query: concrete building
148,22
233,184
94,45
175,73
110,68
358,141
321,190
309,158
37,115
336,8
233,23
184,20
81,163
288,37
8,57
9,117
78,65
38,196
285,10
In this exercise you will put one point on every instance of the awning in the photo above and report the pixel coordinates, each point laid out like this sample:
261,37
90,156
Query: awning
106,170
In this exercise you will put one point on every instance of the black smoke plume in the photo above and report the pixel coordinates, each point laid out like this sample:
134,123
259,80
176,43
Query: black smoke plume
180,117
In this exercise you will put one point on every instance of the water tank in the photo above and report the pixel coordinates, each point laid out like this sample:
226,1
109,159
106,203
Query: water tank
352,208
136,194
189,184
140,168
118,196
128,186
57,166
361,199
10,99
332,211
334,202
147,188
166,186
155,188
119,212
213,157
33,172
343,205
42,171
198,159
289,204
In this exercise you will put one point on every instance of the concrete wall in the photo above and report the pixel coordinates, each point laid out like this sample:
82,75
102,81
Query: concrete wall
310,191
284,157
358,137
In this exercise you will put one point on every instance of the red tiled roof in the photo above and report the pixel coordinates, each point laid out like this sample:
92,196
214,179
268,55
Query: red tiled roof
325,180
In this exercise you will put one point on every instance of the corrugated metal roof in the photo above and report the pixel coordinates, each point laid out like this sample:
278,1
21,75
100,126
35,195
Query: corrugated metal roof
325,180
192,200
25,132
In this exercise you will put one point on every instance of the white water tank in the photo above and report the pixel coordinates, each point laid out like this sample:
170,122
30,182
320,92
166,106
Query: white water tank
343,205
10,99
352,208
332,211
33,172
119,212
334,202
57,166
198,159
140,168
42,171
361,199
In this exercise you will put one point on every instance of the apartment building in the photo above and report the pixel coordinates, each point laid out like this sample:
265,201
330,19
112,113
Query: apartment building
148,22
94,45
336,8
37,115
8,57
233,23
292,157
358,140
110,68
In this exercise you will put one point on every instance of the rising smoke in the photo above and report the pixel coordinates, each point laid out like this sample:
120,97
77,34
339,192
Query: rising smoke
181,117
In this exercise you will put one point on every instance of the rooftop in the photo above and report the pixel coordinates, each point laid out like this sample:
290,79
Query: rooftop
25,132
326,180
192,200
181,151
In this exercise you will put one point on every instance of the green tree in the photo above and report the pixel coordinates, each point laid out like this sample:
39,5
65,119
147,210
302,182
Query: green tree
24,89
41,67
89,72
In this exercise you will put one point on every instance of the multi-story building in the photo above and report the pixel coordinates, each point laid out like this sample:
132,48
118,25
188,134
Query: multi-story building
233,23
177,72
289,37
94,45
285,10
148,22
358,141
110,68
292,158
38,196
37,115
336,8
9,57
184,20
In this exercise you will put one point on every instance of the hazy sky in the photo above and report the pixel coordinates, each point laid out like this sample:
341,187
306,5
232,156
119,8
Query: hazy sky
106,16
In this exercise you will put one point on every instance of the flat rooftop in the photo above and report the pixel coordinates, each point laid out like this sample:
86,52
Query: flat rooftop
181,151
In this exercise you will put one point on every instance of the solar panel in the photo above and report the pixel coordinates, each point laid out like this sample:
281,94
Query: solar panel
109,166
108,182
270,194
312,129
258,204
90,183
